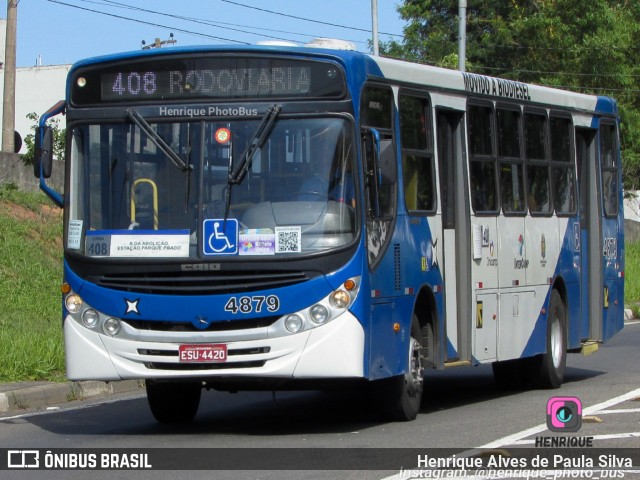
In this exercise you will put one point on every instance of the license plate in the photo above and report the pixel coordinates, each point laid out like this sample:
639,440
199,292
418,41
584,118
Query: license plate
202,353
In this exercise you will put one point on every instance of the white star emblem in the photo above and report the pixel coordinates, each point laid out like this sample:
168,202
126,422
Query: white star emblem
132,306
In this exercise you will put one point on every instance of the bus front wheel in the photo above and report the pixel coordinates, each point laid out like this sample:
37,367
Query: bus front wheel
173,402
402,395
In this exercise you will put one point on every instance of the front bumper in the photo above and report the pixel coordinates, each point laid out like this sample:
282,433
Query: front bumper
333,350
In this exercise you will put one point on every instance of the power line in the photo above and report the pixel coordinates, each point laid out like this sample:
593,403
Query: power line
579,88
348,27
191,19
211,23
576,48
149,23
573,74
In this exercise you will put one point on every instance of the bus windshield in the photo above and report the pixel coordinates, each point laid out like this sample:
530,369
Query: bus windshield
148,189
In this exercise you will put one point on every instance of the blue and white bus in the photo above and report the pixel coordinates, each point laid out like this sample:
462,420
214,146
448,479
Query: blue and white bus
272,217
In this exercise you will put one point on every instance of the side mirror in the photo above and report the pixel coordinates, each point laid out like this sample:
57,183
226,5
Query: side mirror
386,163
43,152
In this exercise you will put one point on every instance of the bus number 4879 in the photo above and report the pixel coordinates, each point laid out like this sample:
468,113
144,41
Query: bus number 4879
252,304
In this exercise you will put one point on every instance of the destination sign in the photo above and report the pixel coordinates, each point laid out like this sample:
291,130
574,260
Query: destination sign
201,78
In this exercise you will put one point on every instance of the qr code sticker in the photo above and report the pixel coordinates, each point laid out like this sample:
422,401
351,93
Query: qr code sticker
288,239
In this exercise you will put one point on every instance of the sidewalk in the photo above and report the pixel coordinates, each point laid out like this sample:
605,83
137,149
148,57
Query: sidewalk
15,397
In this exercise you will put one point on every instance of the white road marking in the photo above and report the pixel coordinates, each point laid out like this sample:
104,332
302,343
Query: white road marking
518,438
620,410
511,439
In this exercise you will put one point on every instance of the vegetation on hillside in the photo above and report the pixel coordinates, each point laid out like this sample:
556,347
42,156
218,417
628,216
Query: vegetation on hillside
31,346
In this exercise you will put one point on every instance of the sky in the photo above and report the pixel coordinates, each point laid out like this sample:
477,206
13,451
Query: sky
65,31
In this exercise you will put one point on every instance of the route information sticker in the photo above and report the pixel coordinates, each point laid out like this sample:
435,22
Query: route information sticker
140,243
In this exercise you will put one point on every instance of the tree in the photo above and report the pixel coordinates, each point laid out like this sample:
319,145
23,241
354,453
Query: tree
59,141
588,47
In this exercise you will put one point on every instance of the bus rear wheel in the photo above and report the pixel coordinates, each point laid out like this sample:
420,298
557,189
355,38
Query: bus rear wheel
552,364
173,402
402,395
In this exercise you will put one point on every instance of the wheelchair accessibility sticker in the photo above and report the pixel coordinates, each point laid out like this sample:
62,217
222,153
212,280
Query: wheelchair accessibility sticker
220,236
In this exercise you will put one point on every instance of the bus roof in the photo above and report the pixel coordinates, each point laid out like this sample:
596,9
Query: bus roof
396,71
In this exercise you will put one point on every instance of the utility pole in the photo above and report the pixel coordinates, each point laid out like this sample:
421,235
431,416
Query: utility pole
158,43
462,34
9,100
374,27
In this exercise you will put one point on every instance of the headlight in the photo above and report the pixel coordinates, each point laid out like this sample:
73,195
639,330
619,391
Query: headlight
340,299
111,326
293,323
90,318
319,314
73,303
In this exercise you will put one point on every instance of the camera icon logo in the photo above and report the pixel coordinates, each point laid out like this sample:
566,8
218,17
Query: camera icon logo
564,414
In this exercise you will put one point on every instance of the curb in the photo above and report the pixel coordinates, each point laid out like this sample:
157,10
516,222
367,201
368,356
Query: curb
16,397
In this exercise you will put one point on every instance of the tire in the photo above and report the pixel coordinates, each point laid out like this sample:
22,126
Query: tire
173,402
402,395
553,362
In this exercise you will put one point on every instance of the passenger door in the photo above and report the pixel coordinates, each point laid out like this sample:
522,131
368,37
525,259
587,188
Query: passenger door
600,214
455,238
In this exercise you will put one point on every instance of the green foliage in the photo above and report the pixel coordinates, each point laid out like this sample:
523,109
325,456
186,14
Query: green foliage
589,47
59,141
632,270
30,272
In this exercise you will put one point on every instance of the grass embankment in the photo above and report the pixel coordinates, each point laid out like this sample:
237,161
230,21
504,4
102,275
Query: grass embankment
632,277
31,346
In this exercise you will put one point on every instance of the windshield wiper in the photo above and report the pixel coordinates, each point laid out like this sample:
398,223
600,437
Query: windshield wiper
257,141
157,140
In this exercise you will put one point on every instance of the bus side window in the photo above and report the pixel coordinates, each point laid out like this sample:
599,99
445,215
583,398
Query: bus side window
511,164
562,166
537,165
609,149
376,123
377,112
482,167
418,170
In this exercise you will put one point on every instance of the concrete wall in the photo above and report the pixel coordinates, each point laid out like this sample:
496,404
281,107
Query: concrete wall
632,216
13,170
631,230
